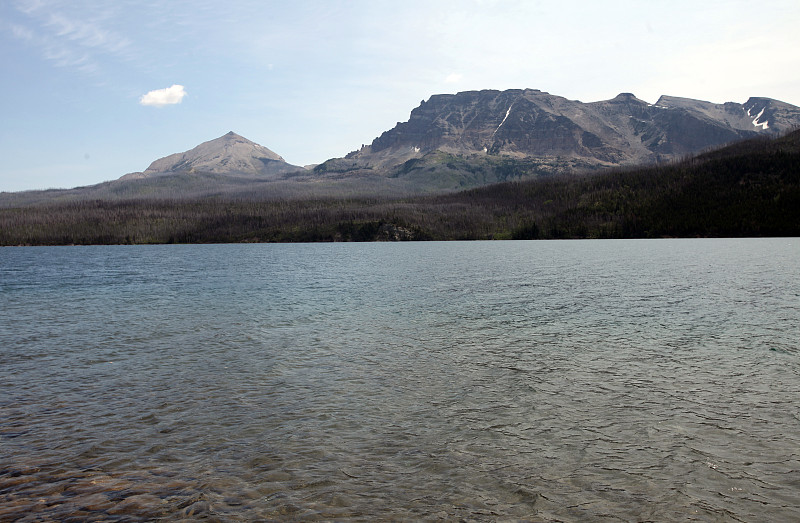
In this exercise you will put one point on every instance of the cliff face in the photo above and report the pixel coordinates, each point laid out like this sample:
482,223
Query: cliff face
530,123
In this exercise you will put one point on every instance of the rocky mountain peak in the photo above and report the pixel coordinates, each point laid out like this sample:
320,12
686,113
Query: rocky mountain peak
229,154
625,97
530,123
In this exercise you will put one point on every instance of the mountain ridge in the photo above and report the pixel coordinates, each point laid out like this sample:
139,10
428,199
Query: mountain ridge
624,130
458,141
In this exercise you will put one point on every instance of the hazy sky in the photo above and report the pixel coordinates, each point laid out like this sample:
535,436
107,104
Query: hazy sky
92,90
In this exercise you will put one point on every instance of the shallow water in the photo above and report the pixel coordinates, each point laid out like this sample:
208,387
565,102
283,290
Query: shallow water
549,381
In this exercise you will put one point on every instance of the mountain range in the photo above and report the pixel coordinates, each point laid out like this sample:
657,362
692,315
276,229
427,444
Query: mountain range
488,128
457,141
747,189
530,123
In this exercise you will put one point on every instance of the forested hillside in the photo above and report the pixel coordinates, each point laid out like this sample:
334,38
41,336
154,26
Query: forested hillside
751,188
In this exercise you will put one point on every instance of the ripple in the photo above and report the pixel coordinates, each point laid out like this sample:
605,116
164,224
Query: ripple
554,381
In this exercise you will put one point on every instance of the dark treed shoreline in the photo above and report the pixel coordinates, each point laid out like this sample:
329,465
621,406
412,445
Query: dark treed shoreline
748,189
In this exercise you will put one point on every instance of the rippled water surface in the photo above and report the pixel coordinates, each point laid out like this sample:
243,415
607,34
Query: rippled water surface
545,381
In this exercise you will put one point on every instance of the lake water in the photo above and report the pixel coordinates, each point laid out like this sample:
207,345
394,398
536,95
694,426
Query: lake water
546,381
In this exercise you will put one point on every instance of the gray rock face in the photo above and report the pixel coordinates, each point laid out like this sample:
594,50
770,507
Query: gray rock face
228,154
530,123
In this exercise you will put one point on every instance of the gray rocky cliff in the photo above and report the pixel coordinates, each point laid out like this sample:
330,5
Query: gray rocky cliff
530,123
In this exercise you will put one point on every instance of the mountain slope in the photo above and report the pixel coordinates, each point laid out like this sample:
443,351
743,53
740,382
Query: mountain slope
530,123
229,154
454,142
751,188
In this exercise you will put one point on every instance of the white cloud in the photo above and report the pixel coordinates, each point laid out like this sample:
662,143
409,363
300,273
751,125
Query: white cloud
69,35
453,78
161,97
52,49
89,35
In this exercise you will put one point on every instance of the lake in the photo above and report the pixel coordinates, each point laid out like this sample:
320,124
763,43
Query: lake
547,381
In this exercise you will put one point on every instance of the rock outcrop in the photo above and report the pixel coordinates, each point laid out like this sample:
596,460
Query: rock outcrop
530,123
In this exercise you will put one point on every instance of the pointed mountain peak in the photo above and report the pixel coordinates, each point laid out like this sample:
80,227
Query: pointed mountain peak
233,137
228,154
230,137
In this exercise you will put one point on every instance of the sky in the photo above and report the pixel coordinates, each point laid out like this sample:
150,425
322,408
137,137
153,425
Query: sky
92,90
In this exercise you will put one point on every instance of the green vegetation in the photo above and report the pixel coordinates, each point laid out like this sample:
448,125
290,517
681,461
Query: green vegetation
445,171
748,189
